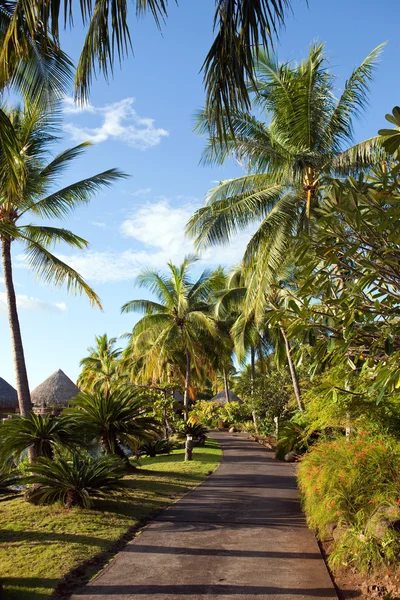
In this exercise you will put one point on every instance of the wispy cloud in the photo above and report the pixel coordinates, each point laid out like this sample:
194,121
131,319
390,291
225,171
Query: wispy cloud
31,303
120,122
98,223
141,192
160,230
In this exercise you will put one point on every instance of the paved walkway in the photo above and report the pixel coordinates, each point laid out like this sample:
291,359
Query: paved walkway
239,535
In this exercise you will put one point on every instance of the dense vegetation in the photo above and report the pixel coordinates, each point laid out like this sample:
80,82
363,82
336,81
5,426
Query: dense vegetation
305,330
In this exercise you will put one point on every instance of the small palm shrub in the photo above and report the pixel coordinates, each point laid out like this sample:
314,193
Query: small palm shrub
75,483
116,417
154,447
44,434
352,488
196,430
291,436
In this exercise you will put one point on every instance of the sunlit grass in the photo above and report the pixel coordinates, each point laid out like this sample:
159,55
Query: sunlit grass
40,545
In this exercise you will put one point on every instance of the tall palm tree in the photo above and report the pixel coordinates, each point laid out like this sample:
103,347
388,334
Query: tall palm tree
28,177
179,322
240,25
304,142
101,367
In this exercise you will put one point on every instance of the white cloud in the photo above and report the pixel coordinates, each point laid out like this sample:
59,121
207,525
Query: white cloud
31,303
98,223
120,122
160,228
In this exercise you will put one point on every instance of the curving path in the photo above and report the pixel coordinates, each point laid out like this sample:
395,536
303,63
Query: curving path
239,535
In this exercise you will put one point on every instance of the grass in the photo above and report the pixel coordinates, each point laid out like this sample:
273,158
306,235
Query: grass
46,547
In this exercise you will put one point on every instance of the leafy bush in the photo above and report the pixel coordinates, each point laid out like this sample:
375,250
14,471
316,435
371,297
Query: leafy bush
352,487
154,447
206,412
75,483
234,413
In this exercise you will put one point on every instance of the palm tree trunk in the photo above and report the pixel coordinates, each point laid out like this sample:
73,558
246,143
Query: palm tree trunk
253,376
226,385
187,385
24,397
292,369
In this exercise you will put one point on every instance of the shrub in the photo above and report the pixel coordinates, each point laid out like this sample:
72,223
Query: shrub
234,413
75,483
206,412
352,487
154,447
196,430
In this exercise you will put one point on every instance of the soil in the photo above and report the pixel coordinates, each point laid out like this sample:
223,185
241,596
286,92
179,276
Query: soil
364,586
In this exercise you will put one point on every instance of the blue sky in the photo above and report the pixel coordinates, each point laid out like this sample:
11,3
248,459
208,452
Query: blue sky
142,123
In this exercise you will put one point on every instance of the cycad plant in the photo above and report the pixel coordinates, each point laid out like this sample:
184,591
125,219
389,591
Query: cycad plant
28,191
101,367
304,141
75,483
45,435
179,324
115,417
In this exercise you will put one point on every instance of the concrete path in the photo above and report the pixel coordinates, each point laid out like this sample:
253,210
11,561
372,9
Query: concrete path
239,535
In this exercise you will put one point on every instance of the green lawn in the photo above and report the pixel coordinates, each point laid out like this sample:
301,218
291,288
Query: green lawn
39,546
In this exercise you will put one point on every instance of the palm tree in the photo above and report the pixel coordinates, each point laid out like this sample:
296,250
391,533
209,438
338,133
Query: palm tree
306,142
240,26
27,180
101,367
115,416
178,324
44,434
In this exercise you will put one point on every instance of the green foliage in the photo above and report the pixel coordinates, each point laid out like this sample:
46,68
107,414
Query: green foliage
206,412
234,413
75,483
354,484
114,417
196,430
8,478
269,394
155,447
291,436
46,435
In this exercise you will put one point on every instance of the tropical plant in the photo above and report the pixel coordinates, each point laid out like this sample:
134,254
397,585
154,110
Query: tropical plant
154,447
240,27
45,435
101,367
176,327
75,483
352,486
289,160
8,478
27,189
196,430
116,416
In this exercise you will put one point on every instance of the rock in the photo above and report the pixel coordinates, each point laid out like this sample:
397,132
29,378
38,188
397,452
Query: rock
383,518
338,532
232,430
291,456
30,496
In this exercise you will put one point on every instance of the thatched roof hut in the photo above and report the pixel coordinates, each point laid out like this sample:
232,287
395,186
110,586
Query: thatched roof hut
221,398
57,390
8,397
